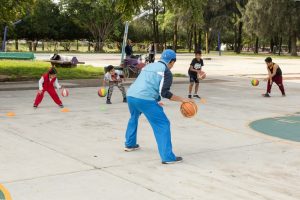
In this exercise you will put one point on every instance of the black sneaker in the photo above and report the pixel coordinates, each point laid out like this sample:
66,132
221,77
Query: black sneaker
266,95
124,100
190,96
196,96
61,106
134,148
178,159
35,107
108,102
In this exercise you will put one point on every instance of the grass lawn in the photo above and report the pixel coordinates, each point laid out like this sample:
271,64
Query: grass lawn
11,70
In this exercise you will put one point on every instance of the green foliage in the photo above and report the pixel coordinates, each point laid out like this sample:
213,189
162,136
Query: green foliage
140,30
42,23
32,70
12,10
273,19
99,17
129,8
169,22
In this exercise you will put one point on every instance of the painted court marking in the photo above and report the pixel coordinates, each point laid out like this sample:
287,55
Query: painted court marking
285,127
4,193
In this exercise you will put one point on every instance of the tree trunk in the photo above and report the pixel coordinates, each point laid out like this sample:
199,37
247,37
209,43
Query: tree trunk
195,38
43,46
157,33
256,46
55,46
96,48
235,40
190,39
294,44
164,31
30,45
99,45
187,46
16,44
276,43
199,40
77,46
154,25
35,43
175,34
157,28
280,44
206,43
239,39
271,45
289,45
165,39
235,35
89,46
154,21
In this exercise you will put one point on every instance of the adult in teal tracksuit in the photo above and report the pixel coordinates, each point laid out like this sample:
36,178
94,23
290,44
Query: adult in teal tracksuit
154,81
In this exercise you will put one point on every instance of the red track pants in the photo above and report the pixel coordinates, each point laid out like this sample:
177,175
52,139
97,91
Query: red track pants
52,93
278,81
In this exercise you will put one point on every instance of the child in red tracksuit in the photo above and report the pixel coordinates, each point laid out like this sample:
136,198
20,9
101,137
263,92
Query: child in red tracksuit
46,84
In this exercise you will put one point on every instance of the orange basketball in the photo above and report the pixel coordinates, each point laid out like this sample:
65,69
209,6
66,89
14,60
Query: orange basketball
188,109
201,75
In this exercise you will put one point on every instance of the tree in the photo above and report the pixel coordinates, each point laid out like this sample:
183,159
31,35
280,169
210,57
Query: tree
217,17
273,19
293,23
188,14
41,24
97,16
11,10
141,29
129,8
239,8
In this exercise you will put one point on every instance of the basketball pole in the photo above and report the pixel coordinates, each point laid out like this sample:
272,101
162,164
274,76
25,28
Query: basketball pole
219,43
206,41
5,35
124,41
126,33
4,39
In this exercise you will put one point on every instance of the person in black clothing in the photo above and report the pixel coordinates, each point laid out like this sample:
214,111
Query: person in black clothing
128,48
195,68
274,75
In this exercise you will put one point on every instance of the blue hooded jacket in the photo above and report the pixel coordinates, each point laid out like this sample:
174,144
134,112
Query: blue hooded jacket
154,81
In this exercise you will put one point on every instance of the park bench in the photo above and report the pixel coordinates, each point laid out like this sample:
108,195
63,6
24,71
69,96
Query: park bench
17,55
64,61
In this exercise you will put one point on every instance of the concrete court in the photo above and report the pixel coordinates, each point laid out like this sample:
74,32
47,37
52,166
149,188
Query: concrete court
47,154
